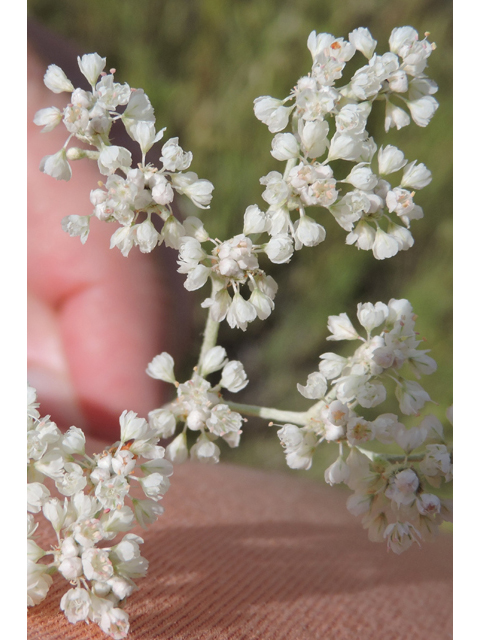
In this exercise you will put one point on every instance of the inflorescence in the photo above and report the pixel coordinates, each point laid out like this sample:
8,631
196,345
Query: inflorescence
105,495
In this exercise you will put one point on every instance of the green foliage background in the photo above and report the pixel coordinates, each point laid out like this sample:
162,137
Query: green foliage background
202,63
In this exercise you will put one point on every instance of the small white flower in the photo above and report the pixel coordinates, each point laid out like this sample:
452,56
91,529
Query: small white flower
277,190
116,520
313,135
341,328
112,158
411,397
206,451
262,303
363,236
240,313
48,118
37,495
385,245
390,159
299,445
214,360
398,81
362,177
56,80
158,465
162,191
124,239
196,419
363,41
199,191
147,237
72,480
352,118
416,176
76,225
371,316
234,377
402,236
91,65
359,431
131,427
279,249
400,536
174,158
345,147
371,394
395,117
428,504
161,368
154,485
38,583
218,305
138,108
331,365
403,486
285,146
177,451
123,462
422,110
97,565
401,40
56,166
410,439
194,228
315,388
308,232
74,441
34,552
173,232
162,422
272,113
114,622
144,133
147,511
71,568
337,472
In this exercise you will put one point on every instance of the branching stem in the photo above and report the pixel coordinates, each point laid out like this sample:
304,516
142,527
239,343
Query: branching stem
295,417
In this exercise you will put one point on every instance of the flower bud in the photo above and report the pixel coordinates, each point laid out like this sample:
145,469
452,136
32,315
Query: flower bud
161,368
177,451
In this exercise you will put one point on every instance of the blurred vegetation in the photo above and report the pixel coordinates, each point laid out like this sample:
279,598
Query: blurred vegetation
202,63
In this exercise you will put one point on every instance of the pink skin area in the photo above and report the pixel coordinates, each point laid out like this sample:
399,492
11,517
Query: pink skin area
95,318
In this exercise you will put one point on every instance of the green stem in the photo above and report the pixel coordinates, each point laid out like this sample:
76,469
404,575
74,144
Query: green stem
74,153
294,417
371,455
209,337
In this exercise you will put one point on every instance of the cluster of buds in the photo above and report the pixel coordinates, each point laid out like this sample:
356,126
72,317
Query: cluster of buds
199,406
390,491
230,265
93,512
329,124
319,110
130,196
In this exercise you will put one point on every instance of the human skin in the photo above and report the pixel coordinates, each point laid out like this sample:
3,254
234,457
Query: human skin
95,318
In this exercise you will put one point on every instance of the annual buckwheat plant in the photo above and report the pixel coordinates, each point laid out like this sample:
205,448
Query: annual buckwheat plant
319,128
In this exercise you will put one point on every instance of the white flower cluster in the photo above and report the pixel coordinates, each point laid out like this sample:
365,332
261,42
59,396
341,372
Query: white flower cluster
229,265
329,123
199,406
93,512
391,492
123,198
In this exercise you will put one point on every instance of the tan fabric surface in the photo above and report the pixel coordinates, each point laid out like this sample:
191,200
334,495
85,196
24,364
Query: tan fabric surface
248,554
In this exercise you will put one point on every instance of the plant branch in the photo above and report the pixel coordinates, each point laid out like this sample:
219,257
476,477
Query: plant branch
295,417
